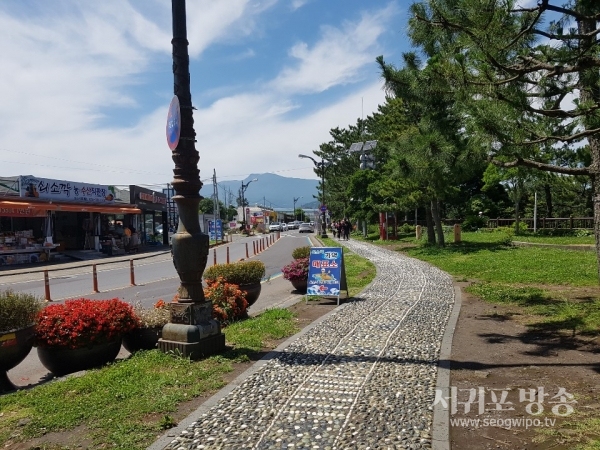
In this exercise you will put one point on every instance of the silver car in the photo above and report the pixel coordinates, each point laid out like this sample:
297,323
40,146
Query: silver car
306,228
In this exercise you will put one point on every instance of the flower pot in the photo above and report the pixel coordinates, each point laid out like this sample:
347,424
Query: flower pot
300,285
14,347
63,360
252,292
142,339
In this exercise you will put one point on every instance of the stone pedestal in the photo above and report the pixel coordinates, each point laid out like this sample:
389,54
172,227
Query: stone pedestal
419,232
192,332
457,235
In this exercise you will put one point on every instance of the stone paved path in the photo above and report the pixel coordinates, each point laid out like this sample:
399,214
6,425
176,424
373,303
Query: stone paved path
364,378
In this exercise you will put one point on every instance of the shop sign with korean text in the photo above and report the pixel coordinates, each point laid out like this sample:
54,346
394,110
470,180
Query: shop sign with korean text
61,190
326,272
215,232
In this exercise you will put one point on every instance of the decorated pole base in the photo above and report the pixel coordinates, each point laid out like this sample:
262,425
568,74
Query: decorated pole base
192,333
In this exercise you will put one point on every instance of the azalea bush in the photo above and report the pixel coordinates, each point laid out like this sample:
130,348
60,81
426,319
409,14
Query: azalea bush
18,310
241,272
228,301
154,317
296,270
83,322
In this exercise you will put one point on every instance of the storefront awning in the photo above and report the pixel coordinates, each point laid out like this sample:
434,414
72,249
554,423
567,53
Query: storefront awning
17,208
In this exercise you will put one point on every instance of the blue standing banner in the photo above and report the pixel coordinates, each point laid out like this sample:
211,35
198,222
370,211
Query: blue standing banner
326,272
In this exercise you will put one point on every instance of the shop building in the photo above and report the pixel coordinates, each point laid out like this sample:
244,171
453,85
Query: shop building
153,222
40,214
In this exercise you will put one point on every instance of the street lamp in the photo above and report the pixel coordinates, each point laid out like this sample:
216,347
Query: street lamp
367,161
244,187
295,200
191,331
321,167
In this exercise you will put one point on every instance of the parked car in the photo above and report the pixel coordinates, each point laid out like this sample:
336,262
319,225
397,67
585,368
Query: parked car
275,226
292,226
306,228
283,226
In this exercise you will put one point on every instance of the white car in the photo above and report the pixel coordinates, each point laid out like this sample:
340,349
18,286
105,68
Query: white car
306,228
275,226
292,226
283,227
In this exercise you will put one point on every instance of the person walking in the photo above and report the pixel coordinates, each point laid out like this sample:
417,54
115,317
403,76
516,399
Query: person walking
340,228
346,227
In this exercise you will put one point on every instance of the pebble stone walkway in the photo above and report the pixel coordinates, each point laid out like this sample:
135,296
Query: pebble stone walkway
364,378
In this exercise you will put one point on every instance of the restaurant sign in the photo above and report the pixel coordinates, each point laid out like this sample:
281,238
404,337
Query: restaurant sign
45,188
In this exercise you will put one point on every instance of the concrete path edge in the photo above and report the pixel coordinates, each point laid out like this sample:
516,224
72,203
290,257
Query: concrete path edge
440,435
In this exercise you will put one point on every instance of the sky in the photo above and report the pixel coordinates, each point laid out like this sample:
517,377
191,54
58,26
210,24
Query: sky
86,85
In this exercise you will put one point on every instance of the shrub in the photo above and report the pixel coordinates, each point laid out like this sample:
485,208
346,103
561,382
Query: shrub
83,322
406,228
301,252
18,310
154,317
228,301
241,272
474,223
296,270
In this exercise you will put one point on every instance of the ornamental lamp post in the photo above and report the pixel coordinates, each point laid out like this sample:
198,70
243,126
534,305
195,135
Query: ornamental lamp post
367,161
244,187
192,332
321,167
295,200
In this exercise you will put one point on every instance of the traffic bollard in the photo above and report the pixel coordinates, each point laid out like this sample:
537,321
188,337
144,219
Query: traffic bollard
227,255
215,256
131,273
247,256
254,247
95,278
47,286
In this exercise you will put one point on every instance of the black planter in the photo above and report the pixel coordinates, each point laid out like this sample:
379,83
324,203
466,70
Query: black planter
252,292
142,339
300,285
62,360
14,348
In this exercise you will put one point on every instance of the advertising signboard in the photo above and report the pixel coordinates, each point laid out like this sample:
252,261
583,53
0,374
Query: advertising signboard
326,273
215,233
46,188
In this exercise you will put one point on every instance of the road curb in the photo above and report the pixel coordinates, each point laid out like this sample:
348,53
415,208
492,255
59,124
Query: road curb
440,433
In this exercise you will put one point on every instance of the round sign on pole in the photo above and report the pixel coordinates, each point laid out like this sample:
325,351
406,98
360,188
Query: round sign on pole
323,208
173,123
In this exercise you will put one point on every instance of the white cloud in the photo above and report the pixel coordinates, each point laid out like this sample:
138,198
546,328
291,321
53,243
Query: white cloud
337,58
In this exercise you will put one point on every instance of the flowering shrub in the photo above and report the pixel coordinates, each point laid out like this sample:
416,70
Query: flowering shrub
240,272
18,310
296,270
154,317
83,322
228,301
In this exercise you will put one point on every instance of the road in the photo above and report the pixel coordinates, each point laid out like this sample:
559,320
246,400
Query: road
155,277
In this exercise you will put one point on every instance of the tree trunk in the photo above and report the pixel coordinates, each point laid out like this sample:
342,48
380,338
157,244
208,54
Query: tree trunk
435,212
430,229
588,85
548,194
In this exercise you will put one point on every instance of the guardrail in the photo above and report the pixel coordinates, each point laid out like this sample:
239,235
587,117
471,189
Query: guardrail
566,223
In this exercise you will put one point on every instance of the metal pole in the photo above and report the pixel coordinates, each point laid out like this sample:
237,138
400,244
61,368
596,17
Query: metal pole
47,286
131,273
95,278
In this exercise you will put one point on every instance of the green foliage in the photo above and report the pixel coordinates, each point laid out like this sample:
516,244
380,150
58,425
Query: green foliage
473,223
301,252
406,228
18,310
240,272
252,334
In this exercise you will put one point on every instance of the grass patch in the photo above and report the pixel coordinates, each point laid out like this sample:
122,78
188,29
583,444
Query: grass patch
116,404
128,404
556,240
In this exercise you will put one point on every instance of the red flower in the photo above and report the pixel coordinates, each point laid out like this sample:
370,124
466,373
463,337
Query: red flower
296,270
78,323
228,301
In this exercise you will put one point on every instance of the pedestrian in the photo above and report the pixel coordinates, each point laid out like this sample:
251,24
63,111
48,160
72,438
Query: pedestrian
340,228
334,228
346,228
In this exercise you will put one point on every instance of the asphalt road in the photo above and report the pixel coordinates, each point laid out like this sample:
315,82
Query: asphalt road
155,277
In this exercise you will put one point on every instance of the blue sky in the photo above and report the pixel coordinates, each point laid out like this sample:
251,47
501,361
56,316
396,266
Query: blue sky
85,85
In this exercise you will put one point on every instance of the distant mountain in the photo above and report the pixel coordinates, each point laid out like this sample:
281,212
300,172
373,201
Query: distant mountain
269,190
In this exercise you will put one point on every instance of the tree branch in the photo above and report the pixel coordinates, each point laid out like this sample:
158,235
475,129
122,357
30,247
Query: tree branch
541,166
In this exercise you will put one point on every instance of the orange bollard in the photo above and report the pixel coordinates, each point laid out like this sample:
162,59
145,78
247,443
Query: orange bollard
247,256
215,256
227,255
131,272
254,247
47,286
95,278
